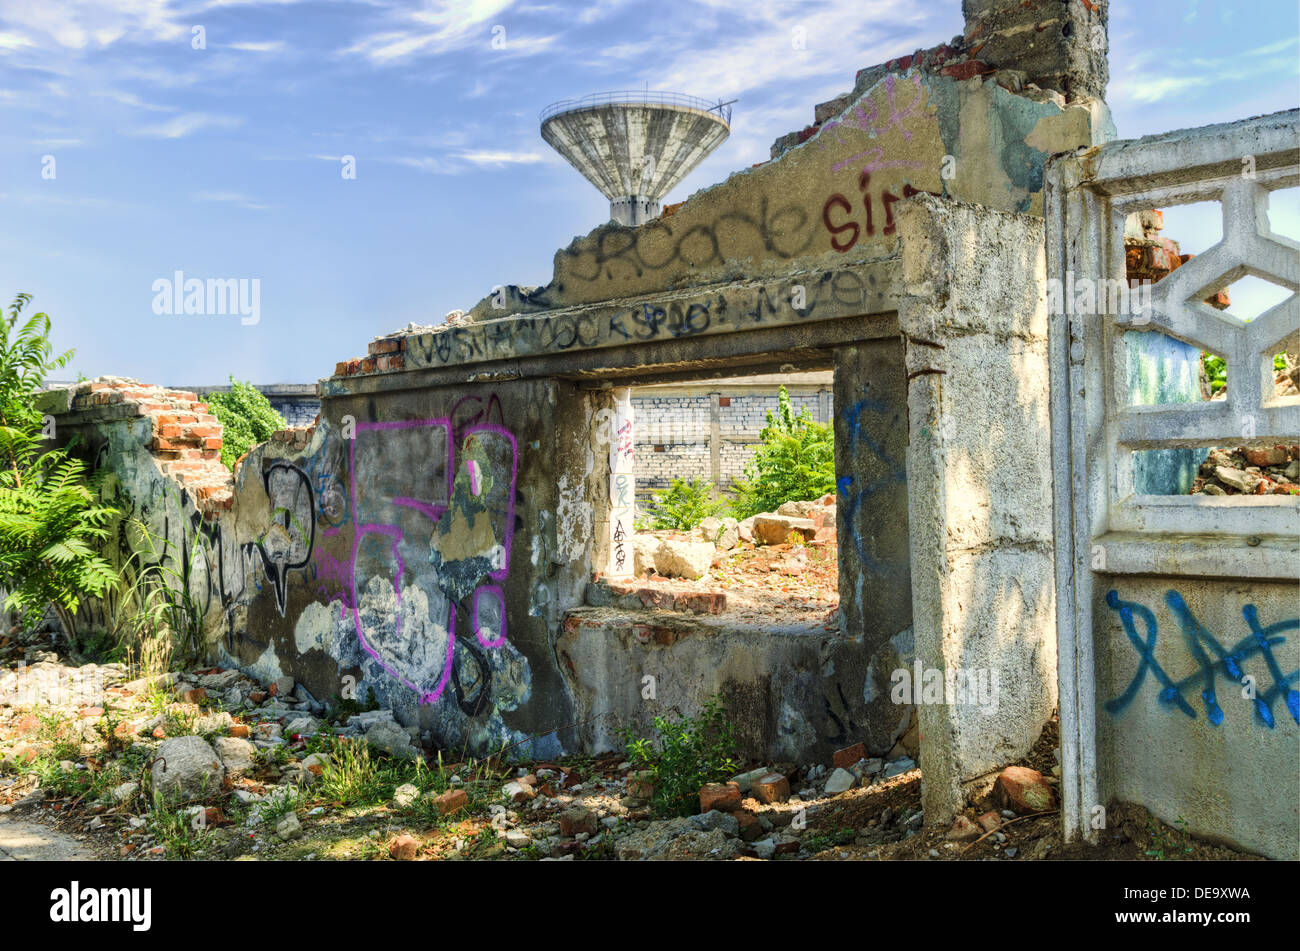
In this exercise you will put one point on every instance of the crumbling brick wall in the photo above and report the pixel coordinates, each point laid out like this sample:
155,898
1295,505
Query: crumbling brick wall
180,434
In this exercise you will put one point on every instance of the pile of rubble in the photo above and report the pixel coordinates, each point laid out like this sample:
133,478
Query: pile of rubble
707,545
1274,470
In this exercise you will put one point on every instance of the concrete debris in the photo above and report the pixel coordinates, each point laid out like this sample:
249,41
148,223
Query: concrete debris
840,781
187,767
682,559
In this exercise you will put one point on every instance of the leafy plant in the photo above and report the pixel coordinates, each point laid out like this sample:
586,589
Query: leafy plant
51,520
1165,840
689,752
176,830
795,461
1216,370
156,615
683,505
247,418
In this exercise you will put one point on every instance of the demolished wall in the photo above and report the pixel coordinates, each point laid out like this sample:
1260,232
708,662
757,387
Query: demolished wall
432,536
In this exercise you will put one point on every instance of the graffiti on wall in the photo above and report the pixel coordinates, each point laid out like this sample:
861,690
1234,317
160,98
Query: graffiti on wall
842,292
1213,661
875,471
432,540
614,428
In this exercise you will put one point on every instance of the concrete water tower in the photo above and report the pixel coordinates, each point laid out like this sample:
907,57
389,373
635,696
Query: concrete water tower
635,146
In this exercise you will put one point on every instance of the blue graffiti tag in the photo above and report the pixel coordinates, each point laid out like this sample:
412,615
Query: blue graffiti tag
853,494
1259,642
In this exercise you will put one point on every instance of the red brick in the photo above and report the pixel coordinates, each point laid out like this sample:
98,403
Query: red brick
967,70
773,787
1272,456
403,848
963,830
724,797
843,759
1025,790
701,602
451,801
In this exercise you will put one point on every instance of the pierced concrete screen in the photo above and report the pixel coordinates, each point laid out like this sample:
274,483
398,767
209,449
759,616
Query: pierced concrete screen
1195,592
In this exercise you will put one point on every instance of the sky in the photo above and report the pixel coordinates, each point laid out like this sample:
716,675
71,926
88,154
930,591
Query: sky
139,138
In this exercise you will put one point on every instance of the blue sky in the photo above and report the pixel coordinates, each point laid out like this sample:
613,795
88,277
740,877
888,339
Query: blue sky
225,161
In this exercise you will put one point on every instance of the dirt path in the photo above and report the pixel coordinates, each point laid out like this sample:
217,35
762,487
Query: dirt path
22,841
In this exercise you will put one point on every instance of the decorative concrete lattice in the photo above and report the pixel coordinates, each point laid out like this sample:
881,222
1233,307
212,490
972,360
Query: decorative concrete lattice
1107,535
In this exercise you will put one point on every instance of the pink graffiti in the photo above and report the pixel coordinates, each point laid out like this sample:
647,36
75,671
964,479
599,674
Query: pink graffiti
865,119
434,511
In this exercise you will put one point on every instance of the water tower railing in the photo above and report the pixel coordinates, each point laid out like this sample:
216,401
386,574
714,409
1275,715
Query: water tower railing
639,97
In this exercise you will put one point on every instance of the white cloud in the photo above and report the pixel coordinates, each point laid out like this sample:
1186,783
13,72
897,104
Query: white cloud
229,198
82,24
751,46
439,26
51,197
500,158
187,124
269,46
13,41
131,99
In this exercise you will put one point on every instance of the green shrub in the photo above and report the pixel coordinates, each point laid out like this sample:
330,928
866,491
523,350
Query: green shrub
1216,370
683,505
247,418
794,462
51,519
689,752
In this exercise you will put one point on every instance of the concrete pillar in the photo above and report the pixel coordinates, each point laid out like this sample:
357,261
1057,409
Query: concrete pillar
715,440
979,491
871,524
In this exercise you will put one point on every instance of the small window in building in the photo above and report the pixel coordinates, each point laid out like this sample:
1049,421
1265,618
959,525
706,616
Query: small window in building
659,448
724,400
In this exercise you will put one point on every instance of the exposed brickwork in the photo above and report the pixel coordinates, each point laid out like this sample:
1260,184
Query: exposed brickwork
1151,257
1053,46
383,355
186,438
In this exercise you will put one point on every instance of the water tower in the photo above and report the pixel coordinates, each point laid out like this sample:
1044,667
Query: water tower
635,146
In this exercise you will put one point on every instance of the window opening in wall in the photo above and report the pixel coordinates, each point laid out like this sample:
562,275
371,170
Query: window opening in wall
711,534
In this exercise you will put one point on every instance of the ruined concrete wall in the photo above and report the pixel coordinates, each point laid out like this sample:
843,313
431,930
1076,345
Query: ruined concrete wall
829,202
979,487
1057,45
418,536
795,693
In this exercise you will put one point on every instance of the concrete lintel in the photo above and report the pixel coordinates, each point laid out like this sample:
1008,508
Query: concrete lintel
800,346
697,311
